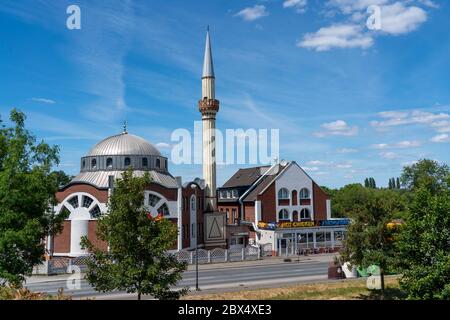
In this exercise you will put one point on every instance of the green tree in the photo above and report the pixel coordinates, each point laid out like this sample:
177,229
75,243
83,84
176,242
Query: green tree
426,173
27,196
398,183
348,199
390,184
61,178
137,260
424,247
366,183
369,239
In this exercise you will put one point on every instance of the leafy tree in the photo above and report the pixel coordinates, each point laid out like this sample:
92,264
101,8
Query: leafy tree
426,173
398,183
366,183
424,247
27,195
61,178
348,199
390,184
369,239
137,260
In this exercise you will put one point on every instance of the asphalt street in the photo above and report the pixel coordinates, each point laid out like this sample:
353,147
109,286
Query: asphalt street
216,279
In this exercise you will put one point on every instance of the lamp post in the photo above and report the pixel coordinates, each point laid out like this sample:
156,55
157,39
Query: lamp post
194,186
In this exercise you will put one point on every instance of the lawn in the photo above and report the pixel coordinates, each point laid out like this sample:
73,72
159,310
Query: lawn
351,289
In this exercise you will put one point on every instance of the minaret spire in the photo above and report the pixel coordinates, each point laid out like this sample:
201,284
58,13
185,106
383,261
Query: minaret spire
209,106
208,67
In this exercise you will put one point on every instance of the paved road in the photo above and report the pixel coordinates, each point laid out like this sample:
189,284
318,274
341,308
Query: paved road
220,279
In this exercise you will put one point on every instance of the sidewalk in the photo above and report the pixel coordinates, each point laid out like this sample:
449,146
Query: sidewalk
326,257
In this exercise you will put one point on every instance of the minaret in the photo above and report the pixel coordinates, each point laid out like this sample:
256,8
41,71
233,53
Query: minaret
209,106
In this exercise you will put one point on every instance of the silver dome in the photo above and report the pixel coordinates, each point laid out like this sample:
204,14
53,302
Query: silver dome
123,144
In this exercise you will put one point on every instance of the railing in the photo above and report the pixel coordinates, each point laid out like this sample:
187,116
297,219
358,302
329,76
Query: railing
62,265
218,255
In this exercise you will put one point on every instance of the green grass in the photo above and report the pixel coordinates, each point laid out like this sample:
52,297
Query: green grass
351,289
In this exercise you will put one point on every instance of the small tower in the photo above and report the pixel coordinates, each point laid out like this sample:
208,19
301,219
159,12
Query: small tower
209,106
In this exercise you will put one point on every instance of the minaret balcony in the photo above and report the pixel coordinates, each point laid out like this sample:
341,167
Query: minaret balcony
208,106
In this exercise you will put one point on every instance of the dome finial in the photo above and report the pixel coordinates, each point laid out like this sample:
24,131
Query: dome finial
124,126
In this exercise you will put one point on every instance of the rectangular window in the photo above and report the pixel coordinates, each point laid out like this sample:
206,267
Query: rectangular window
233,214
193,230
228,215
235,193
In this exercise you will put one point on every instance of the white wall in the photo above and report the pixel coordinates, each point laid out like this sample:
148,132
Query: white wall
294,178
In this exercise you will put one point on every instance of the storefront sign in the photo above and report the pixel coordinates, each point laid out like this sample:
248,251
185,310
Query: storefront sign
302,224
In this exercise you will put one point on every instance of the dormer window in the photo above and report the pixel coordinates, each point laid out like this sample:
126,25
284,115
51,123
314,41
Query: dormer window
158,163
127,162
94,164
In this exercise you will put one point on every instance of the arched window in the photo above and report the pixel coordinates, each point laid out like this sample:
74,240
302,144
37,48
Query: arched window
153,200
295,216
283,214
164,210
158,163
94,163
109,163
95,212
304,194
87,201
193,203
305,214
127,162
283,193
294,197
144,162
84,164
165,164
73,202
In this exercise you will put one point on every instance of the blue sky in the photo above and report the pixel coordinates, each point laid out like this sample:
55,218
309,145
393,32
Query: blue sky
350,102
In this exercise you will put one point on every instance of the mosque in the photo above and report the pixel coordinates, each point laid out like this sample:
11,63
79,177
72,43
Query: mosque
278,204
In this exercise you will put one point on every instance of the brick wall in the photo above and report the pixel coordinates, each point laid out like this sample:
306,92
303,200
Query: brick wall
320,203
61,241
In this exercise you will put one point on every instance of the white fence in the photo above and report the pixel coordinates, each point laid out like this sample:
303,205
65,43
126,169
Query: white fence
62,265
218,255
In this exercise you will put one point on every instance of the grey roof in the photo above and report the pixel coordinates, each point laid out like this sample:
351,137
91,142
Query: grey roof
208,68
245,177
100,178
123,144
264,182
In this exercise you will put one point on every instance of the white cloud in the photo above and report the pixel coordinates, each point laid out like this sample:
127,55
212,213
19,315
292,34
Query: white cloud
429,3
400,145
347,150
441,138
253,13
336,36
299,5
397,118
163,145
317,163
389,155
311,168
344,166
398,19
349,6
337,128
44,100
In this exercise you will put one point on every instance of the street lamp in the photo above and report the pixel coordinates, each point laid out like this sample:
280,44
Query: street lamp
194,186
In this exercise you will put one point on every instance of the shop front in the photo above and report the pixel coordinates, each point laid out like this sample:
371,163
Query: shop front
293,238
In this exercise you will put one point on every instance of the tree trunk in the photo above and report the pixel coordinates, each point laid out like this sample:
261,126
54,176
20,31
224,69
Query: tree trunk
382,283
139,295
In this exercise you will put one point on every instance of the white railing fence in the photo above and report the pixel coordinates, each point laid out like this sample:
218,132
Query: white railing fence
61,265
